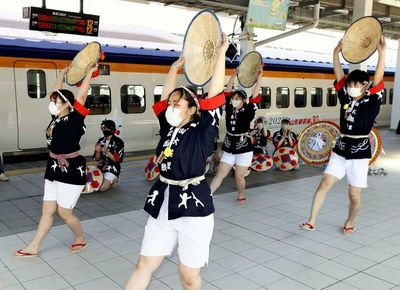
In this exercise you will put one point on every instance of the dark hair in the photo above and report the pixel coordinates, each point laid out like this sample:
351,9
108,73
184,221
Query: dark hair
187,97
66,93
357,76
285,121
241,93
109,124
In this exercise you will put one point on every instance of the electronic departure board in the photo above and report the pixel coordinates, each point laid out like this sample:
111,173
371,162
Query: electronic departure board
62,21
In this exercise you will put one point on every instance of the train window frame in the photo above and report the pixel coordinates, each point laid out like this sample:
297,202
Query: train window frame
329,94
157,99
142,107
265,103
319,95
391,93
303,98
279,98
89,104
41,91
384,97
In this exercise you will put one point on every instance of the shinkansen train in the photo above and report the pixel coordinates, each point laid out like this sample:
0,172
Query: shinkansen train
130,82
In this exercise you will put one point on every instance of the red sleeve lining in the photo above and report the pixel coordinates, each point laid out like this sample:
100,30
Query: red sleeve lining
212,103
81,109
340,84
228,94
379,87
255,100
116,157
160,107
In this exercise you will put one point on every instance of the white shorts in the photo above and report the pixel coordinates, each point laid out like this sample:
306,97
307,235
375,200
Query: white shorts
110,177
191,234
65,194
355,169
242,159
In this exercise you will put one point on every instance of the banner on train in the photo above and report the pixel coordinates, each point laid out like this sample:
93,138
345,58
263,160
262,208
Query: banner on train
269,14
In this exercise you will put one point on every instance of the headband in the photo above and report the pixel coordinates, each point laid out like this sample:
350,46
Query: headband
192,95
65,99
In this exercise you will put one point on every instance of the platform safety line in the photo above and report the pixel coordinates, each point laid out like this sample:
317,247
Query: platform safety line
18,172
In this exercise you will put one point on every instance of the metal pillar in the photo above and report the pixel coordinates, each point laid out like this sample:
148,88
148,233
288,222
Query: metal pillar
395,115
361,8
246,45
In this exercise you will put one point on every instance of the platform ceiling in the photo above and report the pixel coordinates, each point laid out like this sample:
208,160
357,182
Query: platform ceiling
331,16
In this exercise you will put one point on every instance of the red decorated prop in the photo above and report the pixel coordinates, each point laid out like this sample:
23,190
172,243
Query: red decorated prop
152,171
285,158
94,179
262,162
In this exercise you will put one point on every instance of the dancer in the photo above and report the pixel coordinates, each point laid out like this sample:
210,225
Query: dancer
360,104
109,153
237,148
180,203
285,137
64,177
261,136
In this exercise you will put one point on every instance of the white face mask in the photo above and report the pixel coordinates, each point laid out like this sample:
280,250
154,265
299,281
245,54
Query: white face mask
235,103
173,116
53,109
354,92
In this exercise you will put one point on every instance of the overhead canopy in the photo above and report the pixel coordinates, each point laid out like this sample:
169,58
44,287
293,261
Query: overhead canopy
335,14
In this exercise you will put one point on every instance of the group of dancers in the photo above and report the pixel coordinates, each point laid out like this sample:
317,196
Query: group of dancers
180,203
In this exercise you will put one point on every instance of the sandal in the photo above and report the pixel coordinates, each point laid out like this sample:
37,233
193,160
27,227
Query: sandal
80,245
241,200
307,227
347,231
22,254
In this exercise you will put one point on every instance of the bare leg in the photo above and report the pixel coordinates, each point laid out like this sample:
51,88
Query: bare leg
223,170
105,186
140,278
190,277
49,208
73,223
240,172
326,184
354,206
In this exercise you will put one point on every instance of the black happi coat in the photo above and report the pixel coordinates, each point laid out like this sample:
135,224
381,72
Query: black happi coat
63,136
277,137
358,120
238,122
116,147
193,144
260,141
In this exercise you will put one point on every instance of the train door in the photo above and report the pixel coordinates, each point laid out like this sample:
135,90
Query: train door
33,82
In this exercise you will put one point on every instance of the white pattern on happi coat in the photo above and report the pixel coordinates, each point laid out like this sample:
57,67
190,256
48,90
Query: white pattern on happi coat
152,197
185,197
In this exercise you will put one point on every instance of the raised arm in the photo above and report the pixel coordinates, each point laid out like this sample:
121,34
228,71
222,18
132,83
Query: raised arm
58,85
231,83
337,66
217,79
257,87
380,67
84,88
170,80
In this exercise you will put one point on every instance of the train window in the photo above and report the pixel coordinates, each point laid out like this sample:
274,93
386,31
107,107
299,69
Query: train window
133,99
157,93
99,100
265,93
331,99
316,97
391,96
300,97
198,90
36,80
384,97
282,97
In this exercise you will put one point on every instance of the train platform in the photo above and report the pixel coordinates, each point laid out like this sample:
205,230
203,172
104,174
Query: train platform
255,246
